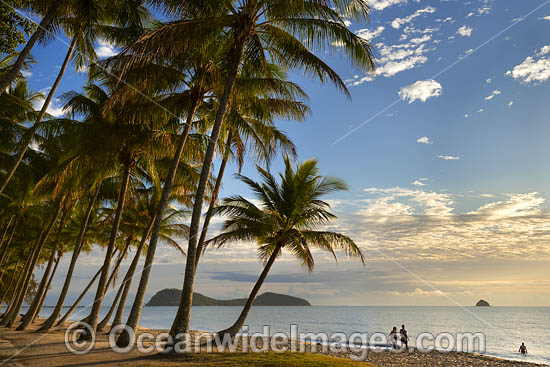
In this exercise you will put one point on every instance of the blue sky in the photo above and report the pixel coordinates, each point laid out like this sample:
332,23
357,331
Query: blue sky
445,150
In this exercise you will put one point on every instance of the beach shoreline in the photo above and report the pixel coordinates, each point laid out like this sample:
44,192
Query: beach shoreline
31,348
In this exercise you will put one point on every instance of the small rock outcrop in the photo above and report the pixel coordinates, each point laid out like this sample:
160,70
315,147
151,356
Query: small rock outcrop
482,303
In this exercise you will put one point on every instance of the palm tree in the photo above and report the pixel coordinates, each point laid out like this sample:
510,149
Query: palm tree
259,32
51,10
287,219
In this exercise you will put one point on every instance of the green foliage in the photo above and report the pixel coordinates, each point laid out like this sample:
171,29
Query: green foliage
14,28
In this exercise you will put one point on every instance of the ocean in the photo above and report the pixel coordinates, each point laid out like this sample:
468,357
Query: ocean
504,328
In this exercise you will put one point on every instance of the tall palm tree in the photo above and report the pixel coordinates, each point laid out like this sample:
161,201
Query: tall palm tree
261,32
288,218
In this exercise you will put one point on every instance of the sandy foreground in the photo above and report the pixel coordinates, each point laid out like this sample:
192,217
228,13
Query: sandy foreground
31,348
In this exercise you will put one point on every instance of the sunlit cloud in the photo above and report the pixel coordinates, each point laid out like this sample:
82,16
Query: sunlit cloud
421,90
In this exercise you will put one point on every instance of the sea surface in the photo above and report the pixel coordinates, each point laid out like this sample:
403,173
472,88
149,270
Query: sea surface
505,328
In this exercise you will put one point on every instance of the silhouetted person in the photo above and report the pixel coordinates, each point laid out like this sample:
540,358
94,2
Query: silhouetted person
404,336
394,337
523,348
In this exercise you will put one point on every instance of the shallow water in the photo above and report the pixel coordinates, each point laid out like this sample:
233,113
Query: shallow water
504,327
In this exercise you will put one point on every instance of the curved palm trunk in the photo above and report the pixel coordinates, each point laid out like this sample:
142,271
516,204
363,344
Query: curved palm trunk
210,212
78,300
43,298
234,329
10,283
32,130
135,313
49,323
107,317
129,276
14,292
33,309
21,285
13,317
101,287
112,276
181,321
8,224
8,242
44,24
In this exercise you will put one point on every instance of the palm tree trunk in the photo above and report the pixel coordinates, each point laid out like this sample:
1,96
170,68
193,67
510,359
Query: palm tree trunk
135,313
79,299
130,275
181,321
14,292
49,323
20,284
33,309
107,317
112,275
8,224
8,242
10,283
27,281
29,135
43,298
210,212
234,329
44,24
100,293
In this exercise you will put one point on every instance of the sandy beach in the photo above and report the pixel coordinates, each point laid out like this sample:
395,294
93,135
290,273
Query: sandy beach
31,348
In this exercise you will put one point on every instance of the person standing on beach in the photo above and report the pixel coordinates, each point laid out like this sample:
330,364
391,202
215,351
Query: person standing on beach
393,337
523,348
404,337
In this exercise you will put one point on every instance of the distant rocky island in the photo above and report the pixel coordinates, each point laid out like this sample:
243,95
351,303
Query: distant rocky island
482,303
171,297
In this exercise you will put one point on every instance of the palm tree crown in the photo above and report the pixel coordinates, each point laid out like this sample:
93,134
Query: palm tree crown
288,216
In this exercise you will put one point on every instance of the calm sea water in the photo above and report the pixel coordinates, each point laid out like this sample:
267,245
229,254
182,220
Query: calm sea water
504,327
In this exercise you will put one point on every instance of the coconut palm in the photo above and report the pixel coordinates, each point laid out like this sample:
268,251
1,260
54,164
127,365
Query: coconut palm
259,32
288,218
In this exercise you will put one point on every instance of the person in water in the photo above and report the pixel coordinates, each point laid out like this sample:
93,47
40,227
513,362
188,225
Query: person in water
393,337
523,348
404,337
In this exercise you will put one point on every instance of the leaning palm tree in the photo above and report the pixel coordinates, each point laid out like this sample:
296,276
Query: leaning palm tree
287,219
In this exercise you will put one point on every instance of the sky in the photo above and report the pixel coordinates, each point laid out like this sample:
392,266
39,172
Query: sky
445,151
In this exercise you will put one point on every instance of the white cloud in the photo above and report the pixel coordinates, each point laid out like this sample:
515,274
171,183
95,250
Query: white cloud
489,81
419,182
533,69
424,140
347,23
469,51
105,49
368,34
470,14
448,157
398,22
26,73
466,115
464,31
510,103
421,90
480,110
496,92
399,57
383,4
545,18
517,205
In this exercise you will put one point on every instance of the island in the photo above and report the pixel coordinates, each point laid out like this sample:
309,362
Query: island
482,303
171,297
